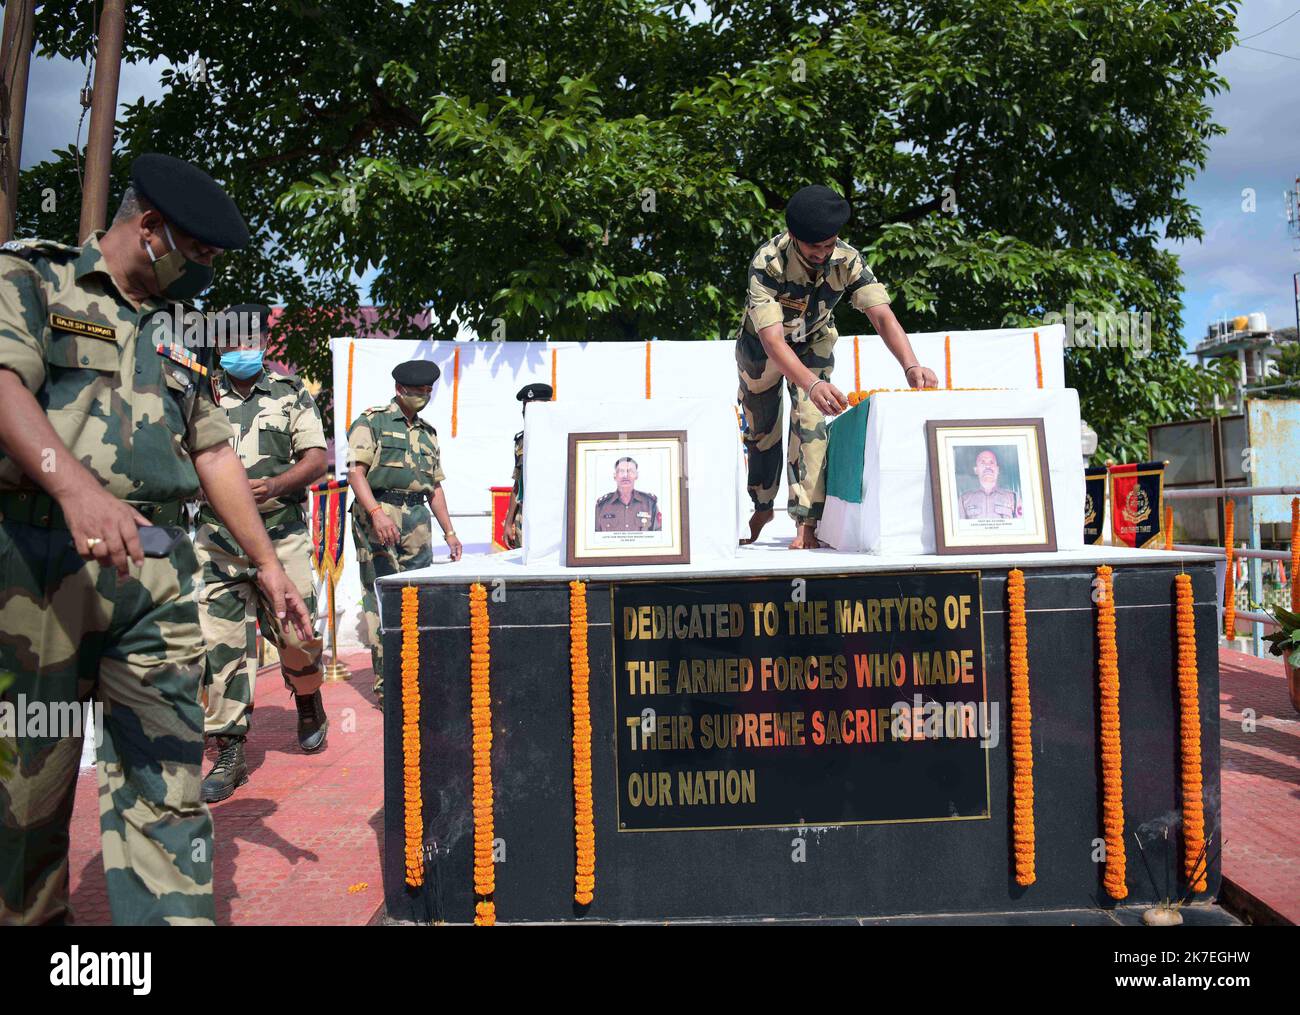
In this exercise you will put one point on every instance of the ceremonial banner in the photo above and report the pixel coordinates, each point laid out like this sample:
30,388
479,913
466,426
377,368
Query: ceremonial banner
1137,503
329,504
1094,503
826,701
500,502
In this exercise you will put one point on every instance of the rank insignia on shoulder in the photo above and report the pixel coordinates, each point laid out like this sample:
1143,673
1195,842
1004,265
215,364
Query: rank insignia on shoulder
178,355
80,327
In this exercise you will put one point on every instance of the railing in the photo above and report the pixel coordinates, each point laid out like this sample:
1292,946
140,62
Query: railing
1253,555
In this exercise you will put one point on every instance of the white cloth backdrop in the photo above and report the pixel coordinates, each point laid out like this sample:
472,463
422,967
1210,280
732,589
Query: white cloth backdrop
481,454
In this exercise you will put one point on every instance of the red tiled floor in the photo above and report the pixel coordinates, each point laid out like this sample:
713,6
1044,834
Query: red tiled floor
1261,782
297,835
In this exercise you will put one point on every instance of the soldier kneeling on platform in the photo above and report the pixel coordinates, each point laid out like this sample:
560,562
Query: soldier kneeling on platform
281,443
395,470
513,529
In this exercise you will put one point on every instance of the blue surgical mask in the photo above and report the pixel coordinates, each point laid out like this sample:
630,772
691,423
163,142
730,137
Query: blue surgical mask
242,363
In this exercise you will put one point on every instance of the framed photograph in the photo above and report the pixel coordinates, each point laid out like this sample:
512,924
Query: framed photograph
990,486
627,498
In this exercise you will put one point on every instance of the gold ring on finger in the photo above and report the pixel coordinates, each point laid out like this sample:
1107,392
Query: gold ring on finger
93,542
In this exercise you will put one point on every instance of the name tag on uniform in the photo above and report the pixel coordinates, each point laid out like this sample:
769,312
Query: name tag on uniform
80,327
178,355
791,303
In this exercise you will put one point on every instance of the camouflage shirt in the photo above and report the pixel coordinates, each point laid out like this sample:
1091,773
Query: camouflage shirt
997,503
274,426
398,456
784,290
133,415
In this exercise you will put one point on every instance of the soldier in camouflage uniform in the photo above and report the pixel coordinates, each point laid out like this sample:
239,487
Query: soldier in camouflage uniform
627,509
513,528
394,472
280,441
988,500
106,425
788,333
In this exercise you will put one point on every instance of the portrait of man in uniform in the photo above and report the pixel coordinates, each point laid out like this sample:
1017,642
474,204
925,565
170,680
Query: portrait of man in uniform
644,518
990,499
628,509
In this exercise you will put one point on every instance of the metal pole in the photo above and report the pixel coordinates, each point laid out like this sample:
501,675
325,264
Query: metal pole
15,61
103,119
1254,569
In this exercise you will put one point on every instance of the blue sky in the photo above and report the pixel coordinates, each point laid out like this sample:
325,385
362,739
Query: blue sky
1244,264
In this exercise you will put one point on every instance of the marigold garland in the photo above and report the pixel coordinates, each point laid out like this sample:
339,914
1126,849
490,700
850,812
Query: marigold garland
555,386
1229,579
413,815
583,816
647,370
857,397
1295,554
1038,360
1190,729
857,366
1169,526
1112,762
1022,754
455,390
352,354
481,720
947,362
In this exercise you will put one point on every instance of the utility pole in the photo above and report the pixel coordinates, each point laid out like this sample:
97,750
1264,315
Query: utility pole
103,119
15,60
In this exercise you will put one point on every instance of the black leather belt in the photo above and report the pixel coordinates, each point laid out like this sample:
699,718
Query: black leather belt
398,497
31,507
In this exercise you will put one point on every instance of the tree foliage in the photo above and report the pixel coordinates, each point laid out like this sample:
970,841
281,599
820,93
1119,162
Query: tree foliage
605,170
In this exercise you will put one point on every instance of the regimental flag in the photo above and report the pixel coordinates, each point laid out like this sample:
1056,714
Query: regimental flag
1137,494
500,501
329,505
1094,503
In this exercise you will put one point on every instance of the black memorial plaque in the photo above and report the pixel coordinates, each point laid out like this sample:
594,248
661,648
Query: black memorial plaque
820,701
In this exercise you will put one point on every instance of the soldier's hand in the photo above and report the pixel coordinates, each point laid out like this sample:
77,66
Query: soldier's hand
264,489
103,528
386,530
453,544
922,377
828,398
508,536
285,601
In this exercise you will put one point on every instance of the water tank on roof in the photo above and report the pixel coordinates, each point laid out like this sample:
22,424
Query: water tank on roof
1257,322
1239,323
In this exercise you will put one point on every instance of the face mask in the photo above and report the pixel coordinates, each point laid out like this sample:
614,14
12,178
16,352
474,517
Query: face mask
178,277
242,363
412,403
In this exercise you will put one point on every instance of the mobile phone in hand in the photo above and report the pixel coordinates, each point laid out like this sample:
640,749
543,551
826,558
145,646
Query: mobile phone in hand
159,540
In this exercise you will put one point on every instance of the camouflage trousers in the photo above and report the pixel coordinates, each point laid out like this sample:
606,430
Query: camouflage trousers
414,549
229,603
72,632
760,400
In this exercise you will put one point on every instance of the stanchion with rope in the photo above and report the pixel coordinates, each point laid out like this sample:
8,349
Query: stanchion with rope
329,502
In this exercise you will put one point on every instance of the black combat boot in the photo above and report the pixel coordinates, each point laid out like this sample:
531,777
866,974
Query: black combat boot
312,723
229,773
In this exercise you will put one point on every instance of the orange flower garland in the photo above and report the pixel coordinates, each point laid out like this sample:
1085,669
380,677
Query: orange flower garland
455,390
1295,554
947,362
1169,526
1190,727
1229,579
1022,754
858,397
414,806
647,370
1038,360
583,817
857,365
1112,767
481,718
555,385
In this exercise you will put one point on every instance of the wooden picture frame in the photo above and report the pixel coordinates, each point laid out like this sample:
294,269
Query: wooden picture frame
652,526
1015,515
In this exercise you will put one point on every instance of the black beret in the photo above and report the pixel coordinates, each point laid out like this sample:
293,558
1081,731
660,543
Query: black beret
816,213
416,373
239,320
190,199
535,393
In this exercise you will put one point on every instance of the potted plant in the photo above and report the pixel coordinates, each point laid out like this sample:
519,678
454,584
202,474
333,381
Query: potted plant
1285,642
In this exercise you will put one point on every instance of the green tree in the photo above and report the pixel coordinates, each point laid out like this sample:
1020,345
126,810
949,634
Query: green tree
605,170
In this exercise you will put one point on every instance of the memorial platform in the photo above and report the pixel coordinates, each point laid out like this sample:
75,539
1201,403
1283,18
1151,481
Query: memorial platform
875,828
